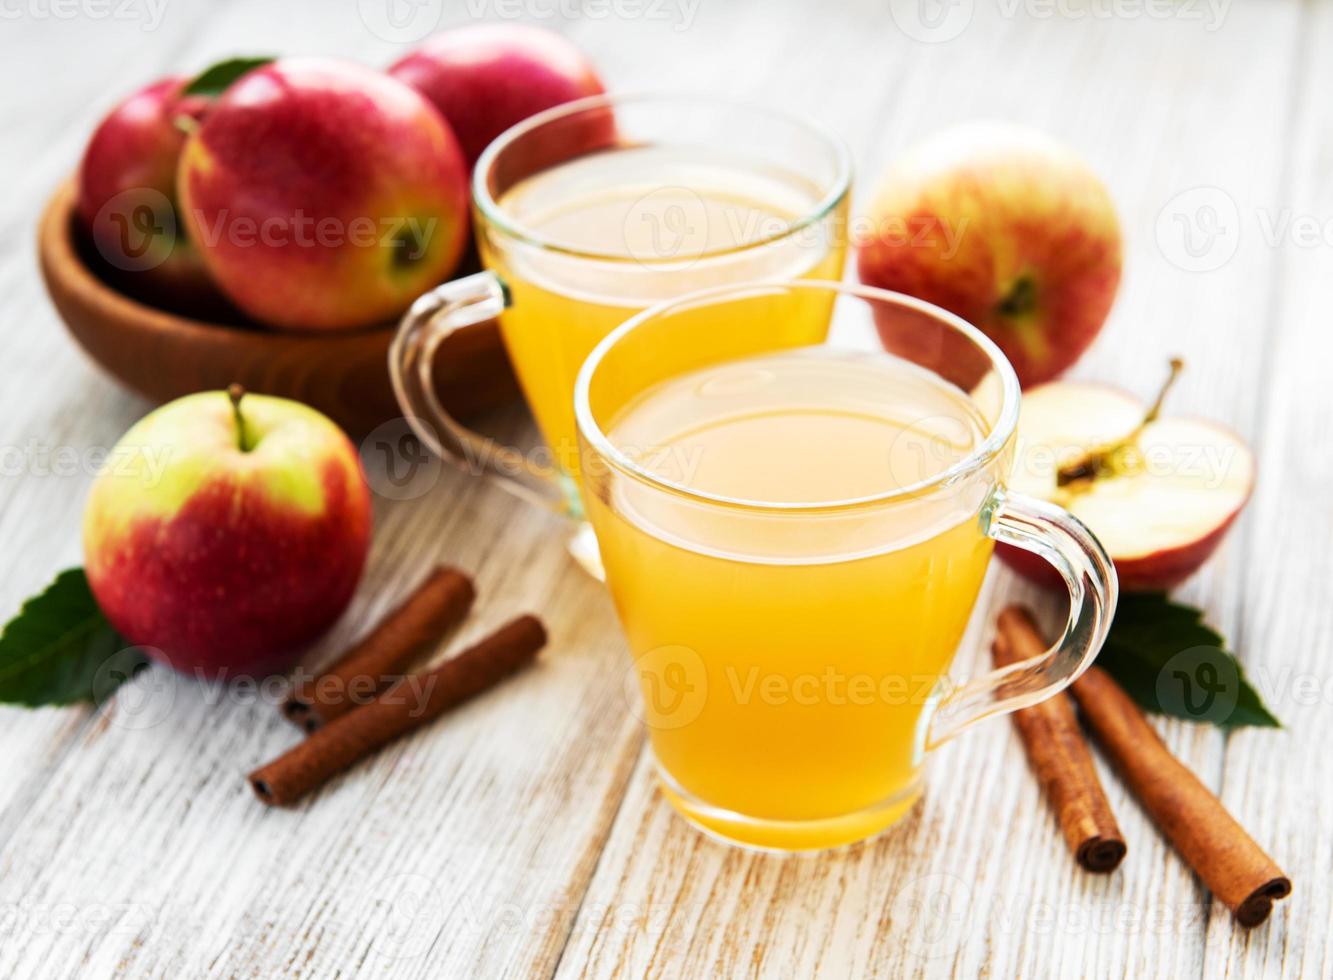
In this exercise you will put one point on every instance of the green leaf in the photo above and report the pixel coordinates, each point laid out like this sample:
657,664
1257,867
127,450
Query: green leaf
213,81
1170,662
60,649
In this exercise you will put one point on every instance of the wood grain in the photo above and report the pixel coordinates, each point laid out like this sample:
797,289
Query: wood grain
524,836
1278,785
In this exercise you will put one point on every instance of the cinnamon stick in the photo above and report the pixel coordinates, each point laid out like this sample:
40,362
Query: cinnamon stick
1231,864
410,703
435,606
1059,755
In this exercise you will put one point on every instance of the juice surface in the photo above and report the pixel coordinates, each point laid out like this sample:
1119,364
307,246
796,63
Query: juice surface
659,222
786,660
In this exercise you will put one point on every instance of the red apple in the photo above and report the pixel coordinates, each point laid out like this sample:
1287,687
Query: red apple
324,195
127,195
227,535
1160,497
1008,229
486,77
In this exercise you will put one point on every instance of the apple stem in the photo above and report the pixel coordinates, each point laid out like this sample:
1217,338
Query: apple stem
1177,365
236,392
1101,461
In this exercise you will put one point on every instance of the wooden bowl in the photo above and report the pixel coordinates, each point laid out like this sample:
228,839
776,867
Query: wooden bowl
163,355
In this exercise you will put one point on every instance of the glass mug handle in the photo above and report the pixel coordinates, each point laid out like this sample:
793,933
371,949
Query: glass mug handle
1060,538
431,320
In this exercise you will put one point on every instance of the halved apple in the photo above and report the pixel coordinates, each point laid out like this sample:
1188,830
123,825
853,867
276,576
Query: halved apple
1160,493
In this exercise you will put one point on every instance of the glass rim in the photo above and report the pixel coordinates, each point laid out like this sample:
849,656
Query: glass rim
1000,431
489,208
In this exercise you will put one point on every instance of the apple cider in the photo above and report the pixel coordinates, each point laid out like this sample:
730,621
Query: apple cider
787,665
625,228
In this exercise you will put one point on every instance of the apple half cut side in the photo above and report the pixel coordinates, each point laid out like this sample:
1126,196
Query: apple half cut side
1160,506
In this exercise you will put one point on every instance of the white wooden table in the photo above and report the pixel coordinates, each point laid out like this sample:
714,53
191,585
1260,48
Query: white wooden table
525,835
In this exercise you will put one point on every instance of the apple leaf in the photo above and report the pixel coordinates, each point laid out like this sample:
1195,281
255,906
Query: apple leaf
60,649
1170,662
214,80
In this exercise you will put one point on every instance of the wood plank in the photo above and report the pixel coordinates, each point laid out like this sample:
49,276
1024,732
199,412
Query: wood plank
978,879
1277,784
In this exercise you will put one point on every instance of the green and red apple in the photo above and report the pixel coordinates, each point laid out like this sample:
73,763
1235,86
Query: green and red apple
127,194
1005,227
1159,492
486,78
324,195
228,531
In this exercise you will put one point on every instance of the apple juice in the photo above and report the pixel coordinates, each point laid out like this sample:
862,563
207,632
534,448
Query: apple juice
622,229
818,641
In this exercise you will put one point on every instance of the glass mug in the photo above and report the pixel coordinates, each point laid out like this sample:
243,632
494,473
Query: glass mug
591,212
795,535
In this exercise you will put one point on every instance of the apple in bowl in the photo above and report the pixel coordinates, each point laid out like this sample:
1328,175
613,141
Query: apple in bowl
485,78
324,195
1159,492
1005,227
227,531
126,196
